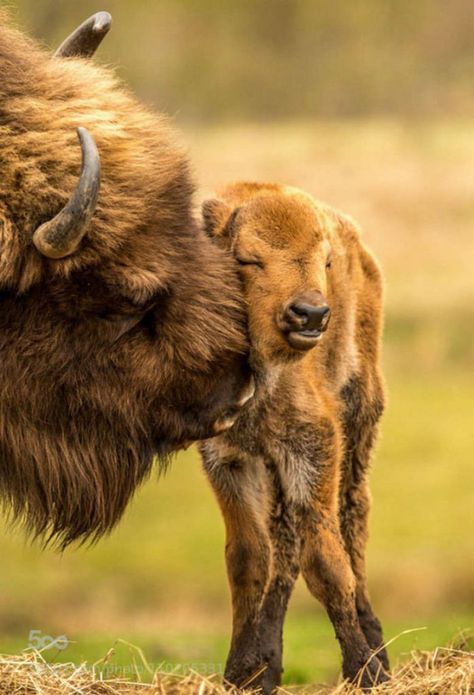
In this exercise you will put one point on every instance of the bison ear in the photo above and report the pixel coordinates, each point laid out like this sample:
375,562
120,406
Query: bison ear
215,214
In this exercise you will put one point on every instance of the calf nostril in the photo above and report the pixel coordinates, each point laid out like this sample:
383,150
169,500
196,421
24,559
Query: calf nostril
298,313
319,316
299,309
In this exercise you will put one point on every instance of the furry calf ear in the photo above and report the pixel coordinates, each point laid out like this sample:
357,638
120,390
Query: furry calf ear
215,214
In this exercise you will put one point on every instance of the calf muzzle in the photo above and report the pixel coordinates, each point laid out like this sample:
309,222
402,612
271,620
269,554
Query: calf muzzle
304,319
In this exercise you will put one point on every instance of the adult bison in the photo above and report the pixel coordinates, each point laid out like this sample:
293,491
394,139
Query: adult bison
122,333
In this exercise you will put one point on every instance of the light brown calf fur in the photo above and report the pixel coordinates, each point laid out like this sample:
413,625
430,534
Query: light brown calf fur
291,475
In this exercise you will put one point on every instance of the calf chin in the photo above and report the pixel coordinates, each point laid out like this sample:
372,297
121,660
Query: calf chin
302,342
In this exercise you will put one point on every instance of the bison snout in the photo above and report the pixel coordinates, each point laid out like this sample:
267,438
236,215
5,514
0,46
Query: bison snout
304,319
308,316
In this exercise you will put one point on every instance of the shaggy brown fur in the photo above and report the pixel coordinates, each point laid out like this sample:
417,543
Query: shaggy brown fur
134,344
291,475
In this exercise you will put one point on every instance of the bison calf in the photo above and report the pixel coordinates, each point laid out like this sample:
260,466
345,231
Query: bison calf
291,475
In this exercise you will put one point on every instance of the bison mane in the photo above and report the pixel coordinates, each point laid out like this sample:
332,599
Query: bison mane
83,411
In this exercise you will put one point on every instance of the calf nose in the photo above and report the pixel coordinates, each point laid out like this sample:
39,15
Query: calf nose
309,317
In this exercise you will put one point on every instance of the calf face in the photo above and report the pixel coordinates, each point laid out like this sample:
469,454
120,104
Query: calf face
283,248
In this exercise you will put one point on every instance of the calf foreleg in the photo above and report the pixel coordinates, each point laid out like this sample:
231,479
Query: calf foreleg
354,519
360,425
328,573
241,495
285,570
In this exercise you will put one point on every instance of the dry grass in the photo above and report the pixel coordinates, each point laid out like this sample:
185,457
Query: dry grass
445,671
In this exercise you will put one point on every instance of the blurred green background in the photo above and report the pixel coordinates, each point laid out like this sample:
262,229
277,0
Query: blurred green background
368,106
212,60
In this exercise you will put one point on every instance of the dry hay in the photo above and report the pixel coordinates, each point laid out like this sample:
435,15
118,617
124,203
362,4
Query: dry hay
445,671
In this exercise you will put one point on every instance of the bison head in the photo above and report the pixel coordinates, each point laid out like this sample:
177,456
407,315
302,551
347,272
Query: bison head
122,330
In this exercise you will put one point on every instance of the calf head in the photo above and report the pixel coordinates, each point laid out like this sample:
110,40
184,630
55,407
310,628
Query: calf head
281,241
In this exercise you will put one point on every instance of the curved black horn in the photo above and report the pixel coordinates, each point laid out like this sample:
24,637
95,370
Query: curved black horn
62,235
85,40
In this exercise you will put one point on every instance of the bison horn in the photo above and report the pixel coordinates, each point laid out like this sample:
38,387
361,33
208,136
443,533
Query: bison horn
85,40
62,235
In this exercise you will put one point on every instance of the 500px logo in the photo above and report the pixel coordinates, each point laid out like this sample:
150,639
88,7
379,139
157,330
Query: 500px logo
39,641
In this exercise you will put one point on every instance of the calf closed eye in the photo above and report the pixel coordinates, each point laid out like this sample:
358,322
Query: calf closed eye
249,261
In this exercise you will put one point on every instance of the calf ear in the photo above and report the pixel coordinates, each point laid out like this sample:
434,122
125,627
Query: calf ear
215,214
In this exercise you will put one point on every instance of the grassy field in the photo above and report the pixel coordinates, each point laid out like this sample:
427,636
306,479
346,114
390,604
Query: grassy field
159,580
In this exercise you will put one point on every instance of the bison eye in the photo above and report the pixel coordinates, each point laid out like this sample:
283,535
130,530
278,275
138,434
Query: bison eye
249,261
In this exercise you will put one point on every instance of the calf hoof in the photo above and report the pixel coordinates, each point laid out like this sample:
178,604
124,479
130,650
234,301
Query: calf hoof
382,656
371,674
264,679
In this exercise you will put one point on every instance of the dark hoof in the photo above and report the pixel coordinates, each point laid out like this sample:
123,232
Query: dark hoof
371,674
264,679
382,656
